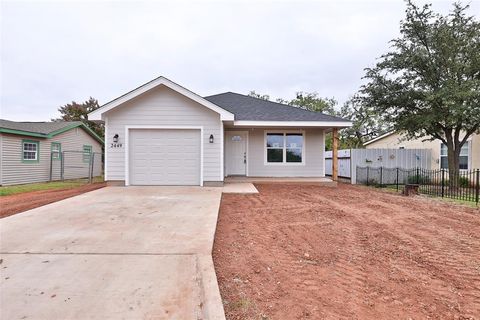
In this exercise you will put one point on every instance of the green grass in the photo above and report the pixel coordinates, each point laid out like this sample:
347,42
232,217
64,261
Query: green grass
67,184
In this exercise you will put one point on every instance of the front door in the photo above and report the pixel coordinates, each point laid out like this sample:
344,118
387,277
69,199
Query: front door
236,153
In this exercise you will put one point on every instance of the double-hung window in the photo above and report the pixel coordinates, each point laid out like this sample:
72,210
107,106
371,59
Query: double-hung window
30,151
56,150
284,147
87,151
463,156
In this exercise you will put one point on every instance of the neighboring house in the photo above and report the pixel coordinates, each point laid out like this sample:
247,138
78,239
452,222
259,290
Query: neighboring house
163,134
32,151
469,155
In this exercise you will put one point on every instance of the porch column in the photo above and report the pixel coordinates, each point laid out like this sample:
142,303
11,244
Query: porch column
335,154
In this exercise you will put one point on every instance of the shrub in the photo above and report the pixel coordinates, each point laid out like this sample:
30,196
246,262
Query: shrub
420,179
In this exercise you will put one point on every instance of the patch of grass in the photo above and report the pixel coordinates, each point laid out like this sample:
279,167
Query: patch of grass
67,184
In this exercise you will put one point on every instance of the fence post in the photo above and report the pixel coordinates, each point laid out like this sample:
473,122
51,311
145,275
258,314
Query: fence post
381,176
477,186
90,168
51,165
62,165
367,173
443,182
418,176
397,179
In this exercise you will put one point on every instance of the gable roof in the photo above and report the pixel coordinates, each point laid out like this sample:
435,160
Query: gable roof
44,129
248,108
379,138
97,114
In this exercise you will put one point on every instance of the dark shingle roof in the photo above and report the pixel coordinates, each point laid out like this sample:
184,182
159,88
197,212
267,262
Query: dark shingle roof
254,109
44,129
37,127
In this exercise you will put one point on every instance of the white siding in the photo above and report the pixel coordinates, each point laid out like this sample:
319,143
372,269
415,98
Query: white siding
314,153
15,171
163,107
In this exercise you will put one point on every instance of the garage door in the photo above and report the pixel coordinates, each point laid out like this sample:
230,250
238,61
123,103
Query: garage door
164,157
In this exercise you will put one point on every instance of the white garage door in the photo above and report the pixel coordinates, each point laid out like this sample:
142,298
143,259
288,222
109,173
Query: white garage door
164,157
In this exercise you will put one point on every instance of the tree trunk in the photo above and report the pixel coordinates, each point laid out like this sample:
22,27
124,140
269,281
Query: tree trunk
453,154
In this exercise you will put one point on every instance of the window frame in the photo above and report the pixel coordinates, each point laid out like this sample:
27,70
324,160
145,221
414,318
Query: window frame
86,154
468,155
59,153
284,148
37,151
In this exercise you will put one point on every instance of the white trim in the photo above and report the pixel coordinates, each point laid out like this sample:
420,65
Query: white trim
246,148
105,165
127,128
99,113
284,163
469,163
323,151
329,124
222,152
379,138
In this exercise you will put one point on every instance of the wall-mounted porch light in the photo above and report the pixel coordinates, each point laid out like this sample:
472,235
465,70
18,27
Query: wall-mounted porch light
115,138
211,138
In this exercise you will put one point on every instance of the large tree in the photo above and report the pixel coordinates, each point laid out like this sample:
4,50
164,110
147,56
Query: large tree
367,124
79,112
428,84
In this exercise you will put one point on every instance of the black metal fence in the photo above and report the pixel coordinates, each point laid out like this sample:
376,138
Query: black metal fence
462,185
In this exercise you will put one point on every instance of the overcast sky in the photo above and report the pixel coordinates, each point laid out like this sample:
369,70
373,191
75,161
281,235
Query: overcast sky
56,52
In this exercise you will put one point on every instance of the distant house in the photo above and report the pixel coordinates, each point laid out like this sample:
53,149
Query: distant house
469,155
32,151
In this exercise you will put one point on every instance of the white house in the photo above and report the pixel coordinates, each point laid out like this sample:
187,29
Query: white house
164,134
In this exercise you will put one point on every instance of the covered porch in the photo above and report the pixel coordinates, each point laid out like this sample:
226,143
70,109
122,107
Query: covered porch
283,154
324,181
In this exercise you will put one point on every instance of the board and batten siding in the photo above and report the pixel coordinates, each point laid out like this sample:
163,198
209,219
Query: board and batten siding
159,107
314,155
15,171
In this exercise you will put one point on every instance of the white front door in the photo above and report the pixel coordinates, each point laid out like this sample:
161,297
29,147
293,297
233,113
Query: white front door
236,152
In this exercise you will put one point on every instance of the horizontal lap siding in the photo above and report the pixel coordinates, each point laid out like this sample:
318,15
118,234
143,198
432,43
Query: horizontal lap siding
314,153
75,167
14,171
163,107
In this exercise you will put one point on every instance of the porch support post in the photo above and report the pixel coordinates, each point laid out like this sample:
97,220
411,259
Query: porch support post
335,154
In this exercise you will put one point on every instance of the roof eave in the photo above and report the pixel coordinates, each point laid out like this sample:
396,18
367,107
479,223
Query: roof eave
99,113
318,124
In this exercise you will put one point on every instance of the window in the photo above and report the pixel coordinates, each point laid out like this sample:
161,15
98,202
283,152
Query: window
56,150
284,147
30,151
463,156
87,150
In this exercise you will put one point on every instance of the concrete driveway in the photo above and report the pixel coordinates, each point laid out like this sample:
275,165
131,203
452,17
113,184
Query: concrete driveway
131,253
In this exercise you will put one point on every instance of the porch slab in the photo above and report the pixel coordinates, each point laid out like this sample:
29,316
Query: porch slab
323,181
239,187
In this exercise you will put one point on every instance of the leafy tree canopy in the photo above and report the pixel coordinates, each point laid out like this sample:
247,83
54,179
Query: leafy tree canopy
428,84
79,112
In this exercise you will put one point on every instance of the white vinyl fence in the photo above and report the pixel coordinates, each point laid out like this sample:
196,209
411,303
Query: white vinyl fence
349,159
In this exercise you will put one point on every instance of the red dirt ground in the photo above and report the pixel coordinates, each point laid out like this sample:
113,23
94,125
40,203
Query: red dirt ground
17,203
351,252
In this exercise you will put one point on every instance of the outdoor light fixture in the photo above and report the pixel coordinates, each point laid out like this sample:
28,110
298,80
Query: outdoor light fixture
211,138
115,138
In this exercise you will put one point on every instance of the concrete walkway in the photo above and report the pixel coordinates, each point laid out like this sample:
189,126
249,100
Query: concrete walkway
136,253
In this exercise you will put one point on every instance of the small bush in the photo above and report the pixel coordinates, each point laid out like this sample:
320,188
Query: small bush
418,179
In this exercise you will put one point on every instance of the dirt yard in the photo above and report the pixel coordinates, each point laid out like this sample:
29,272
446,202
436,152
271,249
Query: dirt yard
20,202
351,252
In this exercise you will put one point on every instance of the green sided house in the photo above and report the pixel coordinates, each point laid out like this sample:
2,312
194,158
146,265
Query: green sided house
43,151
